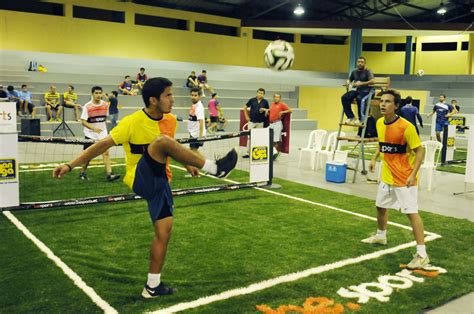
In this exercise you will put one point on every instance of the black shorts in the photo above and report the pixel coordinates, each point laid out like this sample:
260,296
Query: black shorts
87,145
214,119
196,145
68,106
152,184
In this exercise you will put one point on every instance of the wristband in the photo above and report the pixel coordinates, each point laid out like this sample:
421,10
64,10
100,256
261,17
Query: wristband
69,166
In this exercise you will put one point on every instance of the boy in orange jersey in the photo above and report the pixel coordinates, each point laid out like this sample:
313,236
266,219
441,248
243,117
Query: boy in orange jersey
402,154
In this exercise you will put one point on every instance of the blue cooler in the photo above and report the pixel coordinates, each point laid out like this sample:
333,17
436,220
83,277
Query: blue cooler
336,172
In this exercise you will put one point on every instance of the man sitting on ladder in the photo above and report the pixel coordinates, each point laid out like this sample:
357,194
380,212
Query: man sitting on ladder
359,88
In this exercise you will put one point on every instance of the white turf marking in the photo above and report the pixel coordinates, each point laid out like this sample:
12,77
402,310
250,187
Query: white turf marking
106,307
318,204
286,278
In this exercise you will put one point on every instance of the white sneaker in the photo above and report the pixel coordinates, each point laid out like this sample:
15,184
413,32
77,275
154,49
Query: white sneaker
356,121
349,121
375,239
418,262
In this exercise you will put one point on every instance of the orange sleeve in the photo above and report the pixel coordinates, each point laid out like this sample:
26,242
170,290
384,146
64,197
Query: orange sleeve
168,126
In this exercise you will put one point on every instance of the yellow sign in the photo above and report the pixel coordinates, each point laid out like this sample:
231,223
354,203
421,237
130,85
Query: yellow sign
259,153
7,169
450,141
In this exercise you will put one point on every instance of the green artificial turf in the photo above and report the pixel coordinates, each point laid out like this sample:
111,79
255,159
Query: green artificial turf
222,241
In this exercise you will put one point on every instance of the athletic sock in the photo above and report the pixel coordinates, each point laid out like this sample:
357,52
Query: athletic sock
210,166
382,233
421,250
153,280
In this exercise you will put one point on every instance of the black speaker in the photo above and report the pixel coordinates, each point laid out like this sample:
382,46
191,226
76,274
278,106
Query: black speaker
30,127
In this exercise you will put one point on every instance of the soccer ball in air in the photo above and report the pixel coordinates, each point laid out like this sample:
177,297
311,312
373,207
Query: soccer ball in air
420,72
279,55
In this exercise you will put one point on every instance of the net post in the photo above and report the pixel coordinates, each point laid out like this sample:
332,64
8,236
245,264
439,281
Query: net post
445,145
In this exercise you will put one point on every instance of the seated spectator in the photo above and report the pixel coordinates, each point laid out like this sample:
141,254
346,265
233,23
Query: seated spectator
3,94
192,81
454,103
126,87
70,101
202,80
52,103
14,96
141,78
112,98
25,102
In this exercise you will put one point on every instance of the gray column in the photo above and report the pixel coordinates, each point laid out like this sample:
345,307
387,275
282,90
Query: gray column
408,47
355,47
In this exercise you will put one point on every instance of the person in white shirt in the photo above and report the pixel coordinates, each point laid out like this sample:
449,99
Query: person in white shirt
196,120
93,119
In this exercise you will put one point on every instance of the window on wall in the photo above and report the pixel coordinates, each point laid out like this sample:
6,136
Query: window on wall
98,14
465,45
447,46
217,29
372,47
324,40
158,21
395,47
33,7
413,47
265,35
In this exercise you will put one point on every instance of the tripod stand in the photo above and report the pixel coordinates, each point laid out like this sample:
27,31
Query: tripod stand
63,126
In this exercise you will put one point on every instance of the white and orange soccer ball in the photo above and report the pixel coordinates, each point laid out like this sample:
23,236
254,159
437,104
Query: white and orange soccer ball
279,55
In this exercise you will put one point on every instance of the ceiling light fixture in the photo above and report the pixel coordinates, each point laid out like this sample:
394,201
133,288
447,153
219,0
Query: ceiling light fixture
442,9
299,10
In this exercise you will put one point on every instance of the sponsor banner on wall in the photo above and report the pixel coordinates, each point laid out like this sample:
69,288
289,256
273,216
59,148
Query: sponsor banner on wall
9,188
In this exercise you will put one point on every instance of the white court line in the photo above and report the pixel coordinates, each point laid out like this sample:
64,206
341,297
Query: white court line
285,278
318,204
106,307
51,169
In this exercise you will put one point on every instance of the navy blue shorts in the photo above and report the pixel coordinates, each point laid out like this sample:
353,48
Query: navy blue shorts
440,125
152,184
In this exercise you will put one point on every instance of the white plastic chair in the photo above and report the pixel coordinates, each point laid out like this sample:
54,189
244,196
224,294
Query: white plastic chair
431,160
329,149
315,145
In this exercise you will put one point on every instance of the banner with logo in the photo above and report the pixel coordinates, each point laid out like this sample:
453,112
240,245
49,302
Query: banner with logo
260,155
9,188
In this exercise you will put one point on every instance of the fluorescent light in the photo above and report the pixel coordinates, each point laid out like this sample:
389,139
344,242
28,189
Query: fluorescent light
442,9
299,10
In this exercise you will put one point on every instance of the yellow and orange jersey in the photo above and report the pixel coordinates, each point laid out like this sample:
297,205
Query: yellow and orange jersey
396,143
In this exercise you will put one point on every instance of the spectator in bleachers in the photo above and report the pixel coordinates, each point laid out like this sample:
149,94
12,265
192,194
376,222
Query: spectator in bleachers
70,101
3,94
358,85
213,113
25,102
192,81
203,84
277,111
141,78
443,111
126,87
13,96
254,111
454,103
52,103
113,108
411,113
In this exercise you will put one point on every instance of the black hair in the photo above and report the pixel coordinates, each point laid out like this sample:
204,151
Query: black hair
126,76
115,93
261,90
408,100
195,90
154,87
397,98
23,85
94,88
142,68
72,87
444,95
454,100
214,95
204,71
360,57
10,88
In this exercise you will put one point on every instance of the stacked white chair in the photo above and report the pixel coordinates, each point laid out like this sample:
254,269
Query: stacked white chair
314,147
328,151
431,160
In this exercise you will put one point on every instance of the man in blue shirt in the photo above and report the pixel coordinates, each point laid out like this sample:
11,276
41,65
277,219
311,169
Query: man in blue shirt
411,113
26,102
443,112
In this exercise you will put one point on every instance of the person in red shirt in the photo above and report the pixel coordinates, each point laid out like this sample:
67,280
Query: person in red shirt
276,112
